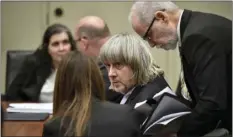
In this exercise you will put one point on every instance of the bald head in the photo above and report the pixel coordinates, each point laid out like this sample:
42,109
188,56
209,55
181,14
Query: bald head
92,27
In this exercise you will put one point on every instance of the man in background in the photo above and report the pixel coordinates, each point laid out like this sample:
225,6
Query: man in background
91,33
205,43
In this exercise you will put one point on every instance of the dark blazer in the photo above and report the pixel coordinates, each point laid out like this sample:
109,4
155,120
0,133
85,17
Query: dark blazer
110,95
206,53
141,93
107,120
28,82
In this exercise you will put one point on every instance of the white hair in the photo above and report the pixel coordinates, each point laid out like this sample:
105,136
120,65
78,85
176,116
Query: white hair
144,10
131,50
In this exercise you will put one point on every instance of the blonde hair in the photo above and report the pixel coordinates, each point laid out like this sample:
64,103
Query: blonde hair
131,50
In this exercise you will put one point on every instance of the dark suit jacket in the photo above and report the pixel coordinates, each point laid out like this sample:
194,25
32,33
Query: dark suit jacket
110,95
107,120
28,82
206,53
141,93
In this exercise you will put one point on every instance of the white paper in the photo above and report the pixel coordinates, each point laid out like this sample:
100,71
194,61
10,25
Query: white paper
171,116
156,96
31,107
28,110
167,119
140,104
165,90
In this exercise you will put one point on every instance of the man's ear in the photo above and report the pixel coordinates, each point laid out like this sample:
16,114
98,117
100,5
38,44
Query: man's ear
85,42
161,16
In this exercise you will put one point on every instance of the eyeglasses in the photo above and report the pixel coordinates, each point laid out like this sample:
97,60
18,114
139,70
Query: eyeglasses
147,31
77,40
151,24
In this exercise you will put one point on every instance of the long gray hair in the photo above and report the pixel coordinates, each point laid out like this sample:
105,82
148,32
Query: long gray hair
131,50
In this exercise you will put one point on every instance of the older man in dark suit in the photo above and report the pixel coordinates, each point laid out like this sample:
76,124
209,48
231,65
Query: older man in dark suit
205,42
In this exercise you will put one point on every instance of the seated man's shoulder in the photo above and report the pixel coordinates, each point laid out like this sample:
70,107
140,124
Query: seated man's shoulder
160,80
156,85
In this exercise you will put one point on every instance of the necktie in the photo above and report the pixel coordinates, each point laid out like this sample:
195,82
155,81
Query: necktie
184,90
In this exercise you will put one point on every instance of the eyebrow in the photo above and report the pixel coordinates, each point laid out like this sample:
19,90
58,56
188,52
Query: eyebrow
58,41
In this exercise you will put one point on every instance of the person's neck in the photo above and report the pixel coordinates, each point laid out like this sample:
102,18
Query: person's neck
55,65
176,16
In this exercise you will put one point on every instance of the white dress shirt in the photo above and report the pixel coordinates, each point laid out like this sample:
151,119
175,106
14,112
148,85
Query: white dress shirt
184,90
126,96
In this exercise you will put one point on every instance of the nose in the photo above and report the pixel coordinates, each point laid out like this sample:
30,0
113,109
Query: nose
151,43
61,46
111,71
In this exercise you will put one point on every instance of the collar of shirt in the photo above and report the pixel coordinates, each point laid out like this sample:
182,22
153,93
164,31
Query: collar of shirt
178,28
126,96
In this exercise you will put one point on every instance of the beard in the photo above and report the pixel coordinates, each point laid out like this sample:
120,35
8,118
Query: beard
172,41
170,35
171,45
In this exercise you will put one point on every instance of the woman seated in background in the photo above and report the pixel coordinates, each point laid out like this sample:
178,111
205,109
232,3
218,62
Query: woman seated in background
35,80
79,108
131,68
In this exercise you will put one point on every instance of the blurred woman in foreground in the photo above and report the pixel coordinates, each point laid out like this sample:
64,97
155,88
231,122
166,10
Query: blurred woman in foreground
79,106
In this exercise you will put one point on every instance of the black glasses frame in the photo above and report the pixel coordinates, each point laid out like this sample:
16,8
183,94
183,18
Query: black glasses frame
148,29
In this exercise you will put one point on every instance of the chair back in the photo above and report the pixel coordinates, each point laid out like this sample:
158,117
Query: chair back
14,61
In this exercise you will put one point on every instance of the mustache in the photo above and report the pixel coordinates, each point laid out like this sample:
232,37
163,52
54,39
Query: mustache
111,87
